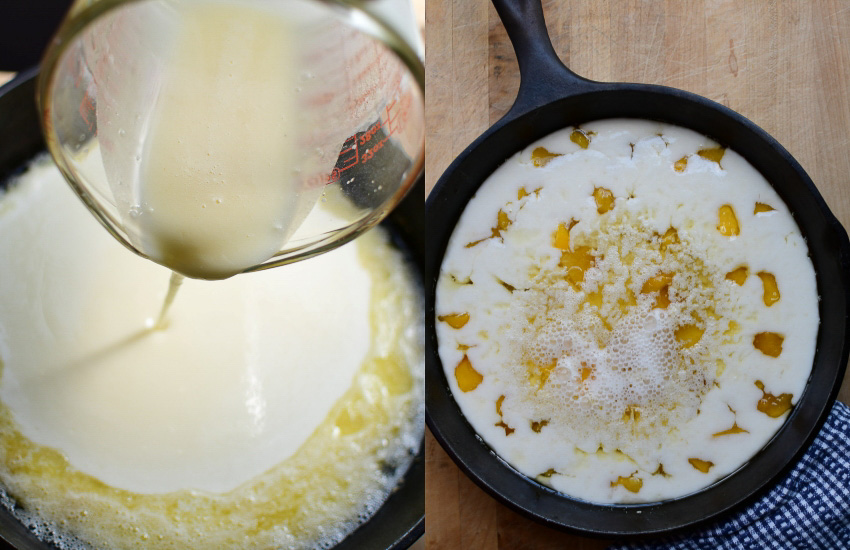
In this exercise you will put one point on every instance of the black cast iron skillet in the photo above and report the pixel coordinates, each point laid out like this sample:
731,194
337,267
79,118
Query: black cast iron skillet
550,98
401,520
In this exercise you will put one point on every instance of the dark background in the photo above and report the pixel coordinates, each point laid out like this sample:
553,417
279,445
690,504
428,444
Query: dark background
26,26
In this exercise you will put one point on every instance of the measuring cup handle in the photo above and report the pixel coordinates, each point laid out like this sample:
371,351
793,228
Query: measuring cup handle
543,77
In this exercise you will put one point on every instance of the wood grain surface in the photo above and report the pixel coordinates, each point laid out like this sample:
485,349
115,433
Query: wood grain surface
783,64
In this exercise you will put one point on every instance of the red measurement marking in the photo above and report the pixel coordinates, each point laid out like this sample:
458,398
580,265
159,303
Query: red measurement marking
320,100
86,107
321,179
404,111
361,100
373,65
350,155
391,123
359,55
365,137
367,156
397,113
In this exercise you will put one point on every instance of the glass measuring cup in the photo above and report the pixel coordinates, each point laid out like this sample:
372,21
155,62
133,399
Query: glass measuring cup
348,146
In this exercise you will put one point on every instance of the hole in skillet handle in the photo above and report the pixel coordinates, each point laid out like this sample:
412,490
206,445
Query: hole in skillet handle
561,100
400,520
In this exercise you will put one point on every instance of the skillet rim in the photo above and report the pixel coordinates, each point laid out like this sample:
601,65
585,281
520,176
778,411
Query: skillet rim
460,181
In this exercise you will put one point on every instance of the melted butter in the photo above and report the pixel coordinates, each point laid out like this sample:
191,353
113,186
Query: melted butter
522,193
541,156
632,413
536,426
702,465
538,374
499,404
657,282
586,371
735,429
732,328
738,275
714,154
769,343
580,138
689,335
466,376
773,406
661,284
761,208
502,223
501,422
577,262
561,237
660,471
670,237
727,221
771,289
596,299
631,483
604,199
455,320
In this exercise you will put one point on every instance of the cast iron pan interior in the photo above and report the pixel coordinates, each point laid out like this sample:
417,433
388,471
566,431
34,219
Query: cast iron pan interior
401,520
550,98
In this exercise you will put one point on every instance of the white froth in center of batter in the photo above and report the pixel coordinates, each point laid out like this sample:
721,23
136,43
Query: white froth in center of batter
595,355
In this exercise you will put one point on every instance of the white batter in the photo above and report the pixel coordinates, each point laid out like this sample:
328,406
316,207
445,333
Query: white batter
258,388
626,311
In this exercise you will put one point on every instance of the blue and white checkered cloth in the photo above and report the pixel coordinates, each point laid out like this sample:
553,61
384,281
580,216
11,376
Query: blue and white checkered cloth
809,509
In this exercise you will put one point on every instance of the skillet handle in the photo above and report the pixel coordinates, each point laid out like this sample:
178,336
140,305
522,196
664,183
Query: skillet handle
543,77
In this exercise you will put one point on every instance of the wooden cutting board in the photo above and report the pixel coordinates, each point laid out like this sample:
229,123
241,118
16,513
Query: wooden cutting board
784,65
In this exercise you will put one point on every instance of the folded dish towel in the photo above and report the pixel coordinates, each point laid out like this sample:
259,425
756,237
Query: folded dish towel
809,509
